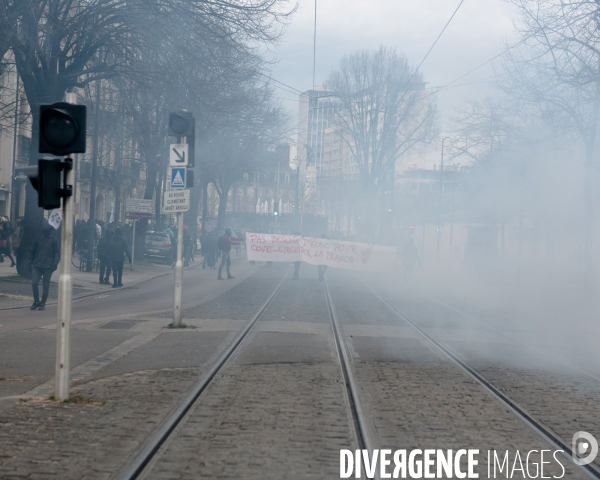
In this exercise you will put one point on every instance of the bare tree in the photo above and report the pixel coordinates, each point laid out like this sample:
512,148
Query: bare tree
557,69
59,45
383,113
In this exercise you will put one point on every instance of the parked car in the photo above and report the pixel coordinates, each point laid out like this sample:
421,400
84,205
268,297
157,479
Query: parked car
158,245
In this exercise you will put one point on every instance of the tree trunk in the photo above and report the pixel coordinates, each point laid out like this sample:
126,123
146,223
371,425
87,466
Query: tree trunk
223,197
204,205
588,228
33,221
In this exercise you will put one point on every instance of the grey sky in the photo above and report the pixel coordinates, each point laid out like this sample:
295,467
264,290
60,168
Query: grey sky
343,26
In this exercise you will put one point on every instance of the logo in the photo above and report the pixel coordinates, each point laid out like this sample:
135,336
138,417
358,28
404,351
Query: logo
584,448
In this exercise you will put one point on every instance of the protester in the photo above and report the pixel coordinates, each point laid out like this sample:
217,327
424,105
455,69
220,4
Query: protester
203,247
16,243
103,257
117,252
187,246
210,250
5,241
297,264
45,255
410,257
226,241
322,268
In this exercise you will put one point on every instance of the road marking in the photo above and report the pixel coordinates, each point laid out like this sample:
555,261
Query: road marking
102,296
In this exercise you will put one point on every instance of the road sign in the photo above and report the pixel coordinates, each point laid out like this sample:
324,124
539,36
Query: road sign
138,216
176,201
178,155
138,205
178,178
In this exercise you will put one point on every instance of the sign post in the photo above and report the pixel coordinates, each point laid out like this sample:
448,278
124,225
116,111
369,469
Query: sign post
137,209
177,201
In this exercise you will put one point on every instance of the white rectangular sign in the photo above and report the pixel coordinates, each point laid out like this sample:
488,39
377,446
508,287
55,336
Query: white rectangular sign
138,205
178,155
176,201
318,251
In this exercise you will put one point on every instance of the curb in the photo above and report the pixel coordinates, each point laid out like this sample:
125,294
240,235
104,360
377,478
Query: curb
91,294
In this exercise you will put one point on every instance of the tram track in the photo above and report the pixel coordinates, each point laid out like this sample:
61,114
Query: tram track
153,445
144,461
547,434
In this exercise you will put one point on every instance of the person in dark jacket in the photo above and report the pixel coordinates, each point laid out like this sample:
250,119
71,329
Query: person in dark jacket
105,263
5,239
187,246
45,255
116,254
225,243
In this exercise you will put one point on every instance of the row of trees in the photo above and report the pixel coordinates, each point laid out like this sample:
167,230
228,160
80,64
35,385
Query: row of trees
535,148
136,60
527,147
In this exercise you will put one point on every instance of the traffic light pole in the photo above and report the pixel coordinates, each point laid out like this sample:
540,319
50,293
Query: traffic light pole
177,294
63,326
178,273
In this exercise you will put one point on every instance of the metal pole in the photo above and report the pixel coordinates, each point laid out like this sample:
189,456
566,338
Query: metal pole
277,191
178,273
439,225
133,246
452,214
63,325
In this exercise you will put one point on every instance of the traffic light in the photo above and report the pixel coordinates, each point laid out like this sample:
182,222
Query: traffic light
62,129
276,208
183,124
48,179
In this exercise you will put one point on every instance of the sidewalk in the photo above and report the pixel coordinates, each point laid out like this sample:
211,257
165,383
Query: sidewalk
15,292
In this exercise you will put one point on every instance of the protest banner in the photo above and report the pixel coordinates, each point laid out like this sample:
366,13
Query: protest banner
266,247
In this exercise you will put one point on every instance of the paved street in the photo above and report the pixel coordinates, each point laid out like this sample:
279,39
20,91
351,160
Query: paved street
278,407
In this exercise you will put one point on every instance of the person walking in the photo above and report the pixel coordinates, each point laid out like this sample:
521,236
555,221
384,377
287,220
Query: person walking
203,247
322,268
103,257
211,250
226,241
410,257
5,241
187,246
45,255
117,252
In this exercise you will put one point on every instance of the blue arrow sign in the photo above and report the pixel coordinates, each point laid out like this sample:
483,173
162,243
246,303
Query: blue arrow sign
177,178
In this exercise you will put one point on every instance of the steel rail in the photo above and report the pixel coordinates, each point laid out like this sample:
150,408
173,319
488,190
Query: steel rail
361,422
160,437
516,340
589,470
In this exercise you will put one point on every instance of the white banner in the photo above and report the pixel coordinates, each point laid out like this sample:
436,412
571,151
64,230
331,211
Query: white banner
266,247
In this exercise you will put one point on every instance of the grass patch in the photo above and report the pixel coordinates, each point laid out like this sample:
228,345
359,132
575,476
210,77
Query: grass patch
143,262
17,278
79,400
183,325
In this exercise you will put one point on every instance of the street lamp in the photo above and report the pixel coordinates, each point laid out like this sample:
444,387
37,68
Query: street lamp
439,225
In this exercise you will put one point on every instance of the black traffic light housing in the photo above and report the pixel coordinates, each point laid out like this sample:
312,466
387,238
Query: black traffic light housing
62,128
48,179
183,124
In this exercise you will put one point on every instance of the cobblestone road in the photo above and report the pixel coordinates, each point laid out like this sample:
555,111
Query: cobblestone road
279,408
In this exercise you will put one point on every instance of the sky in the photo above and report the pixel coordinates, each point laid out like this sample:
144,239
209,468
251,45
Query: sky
476,34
